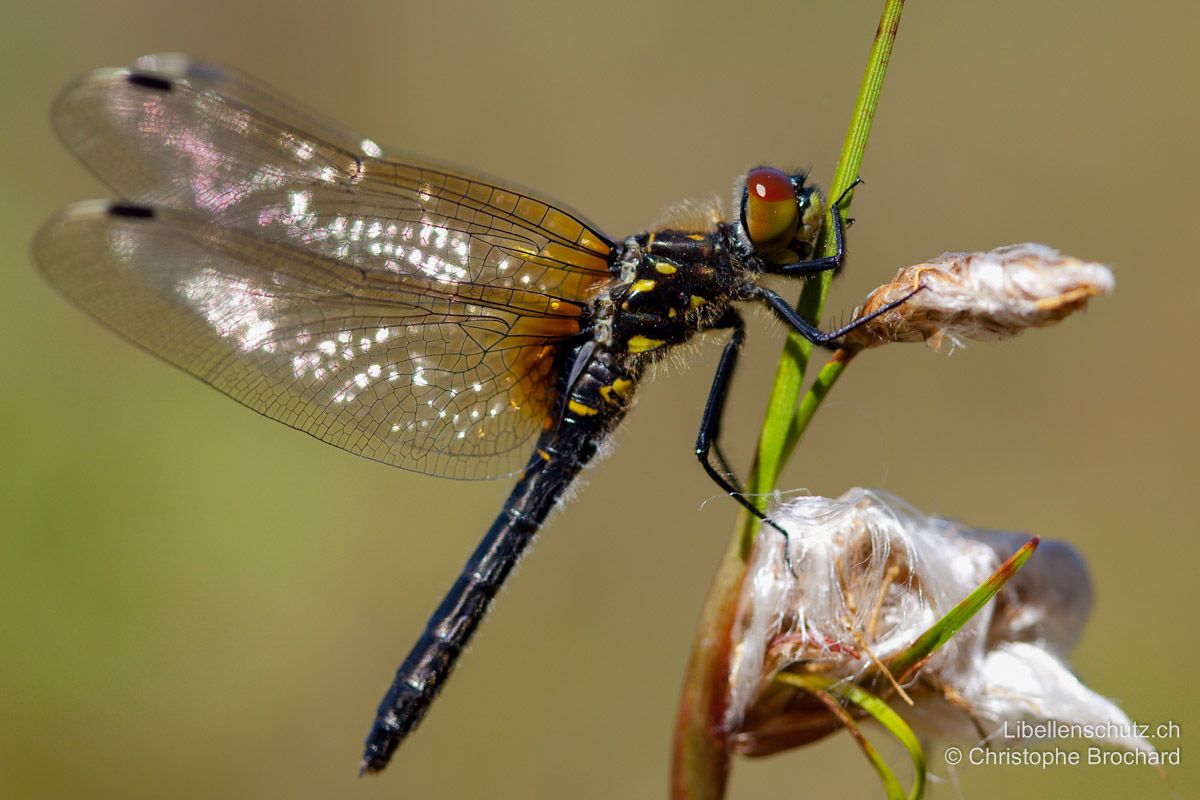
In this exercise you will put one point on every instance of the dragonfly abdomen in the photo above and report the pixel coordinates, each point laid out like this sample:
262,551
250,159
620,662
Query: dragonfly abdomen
592,408
420,678
424,672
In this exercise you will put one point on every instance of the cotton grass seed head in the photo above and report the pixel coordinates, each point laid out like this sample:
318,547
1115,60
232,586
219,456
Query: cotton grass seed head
980,296
868,575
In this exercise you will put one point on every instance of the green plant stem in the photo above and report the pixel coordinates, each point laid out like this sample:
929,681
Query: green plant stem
700,766
700,762
775,443
826,378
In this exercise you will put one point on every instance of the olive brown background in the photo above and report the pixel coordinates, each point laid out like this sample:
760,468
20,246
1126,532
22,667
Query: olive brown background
195,602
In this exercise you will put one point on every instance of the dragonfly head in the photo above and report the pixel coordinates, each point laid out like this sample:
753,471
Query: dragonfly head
780,214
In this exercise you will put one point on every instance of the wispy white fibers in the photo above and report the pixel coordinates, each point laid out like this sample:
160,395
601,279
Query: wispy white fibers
981,296
871,575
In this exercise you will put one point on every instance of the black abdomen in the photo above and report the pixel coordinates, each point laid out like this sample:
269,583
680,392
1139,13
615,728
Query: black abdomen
599,400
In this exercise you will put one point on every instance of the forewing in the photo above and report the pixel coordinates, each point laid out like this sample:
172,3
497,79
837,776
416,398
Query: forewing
245,91
357,359
197,137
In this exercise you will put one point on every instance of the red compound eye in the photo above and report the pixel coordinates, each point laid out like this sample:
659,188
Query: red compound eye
770,213
770,184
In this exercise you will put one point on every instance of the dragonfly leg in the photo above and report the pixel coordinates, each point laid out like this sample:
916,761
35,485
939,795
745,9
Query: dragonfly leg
829,340
826,263
708,439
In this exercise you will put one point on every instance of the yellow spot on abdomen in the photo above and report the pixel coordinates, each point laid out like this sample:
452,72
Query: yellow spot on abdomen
579,408
664,268
621,387
641,344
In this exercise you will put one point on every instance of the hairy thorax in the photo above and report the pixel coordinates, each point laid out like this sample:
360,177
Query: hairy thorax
669,286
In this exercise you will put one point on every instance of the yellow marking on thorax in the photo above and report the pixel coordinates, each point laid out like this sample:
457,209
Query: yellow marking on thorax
641,344
545,456
581,409
664,268
644,285
697,301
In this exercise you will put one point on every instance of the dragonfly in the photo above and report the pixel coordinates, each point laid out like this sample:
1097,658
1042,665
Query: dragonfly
420,315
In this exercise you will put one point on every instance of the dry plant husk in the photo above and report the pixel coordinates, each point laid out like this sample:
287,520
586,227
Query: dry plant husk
980,296
871,575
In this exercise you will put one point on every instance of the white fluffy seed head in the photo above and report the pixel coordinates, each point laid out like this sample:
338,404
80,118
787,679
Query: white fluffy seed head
871,575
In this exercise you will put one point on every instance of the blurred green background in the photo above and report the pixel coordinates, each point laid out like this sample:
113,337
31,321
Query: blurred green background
198,603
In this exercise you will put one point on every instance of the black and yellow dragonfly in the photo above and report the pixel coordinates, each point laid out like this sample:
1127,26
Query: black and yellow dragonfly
421,316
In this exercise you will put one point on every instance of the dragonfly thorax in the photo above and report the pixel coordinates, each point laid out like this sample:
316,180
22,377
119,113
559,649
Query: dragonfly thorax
669,285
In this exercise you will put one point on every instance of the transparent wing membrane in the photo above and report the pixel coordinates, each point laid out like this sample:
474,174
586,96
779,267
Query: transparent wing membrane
402,312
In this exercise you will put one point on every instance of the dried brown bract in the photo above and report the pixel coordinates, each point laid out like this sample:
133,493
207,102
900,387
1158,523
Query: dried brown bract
980,296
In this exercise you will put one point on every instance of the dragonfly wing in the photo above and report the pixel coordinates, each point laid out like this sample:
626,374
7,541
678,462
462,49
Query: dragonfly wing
356,359
245,91
279,246
229,149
